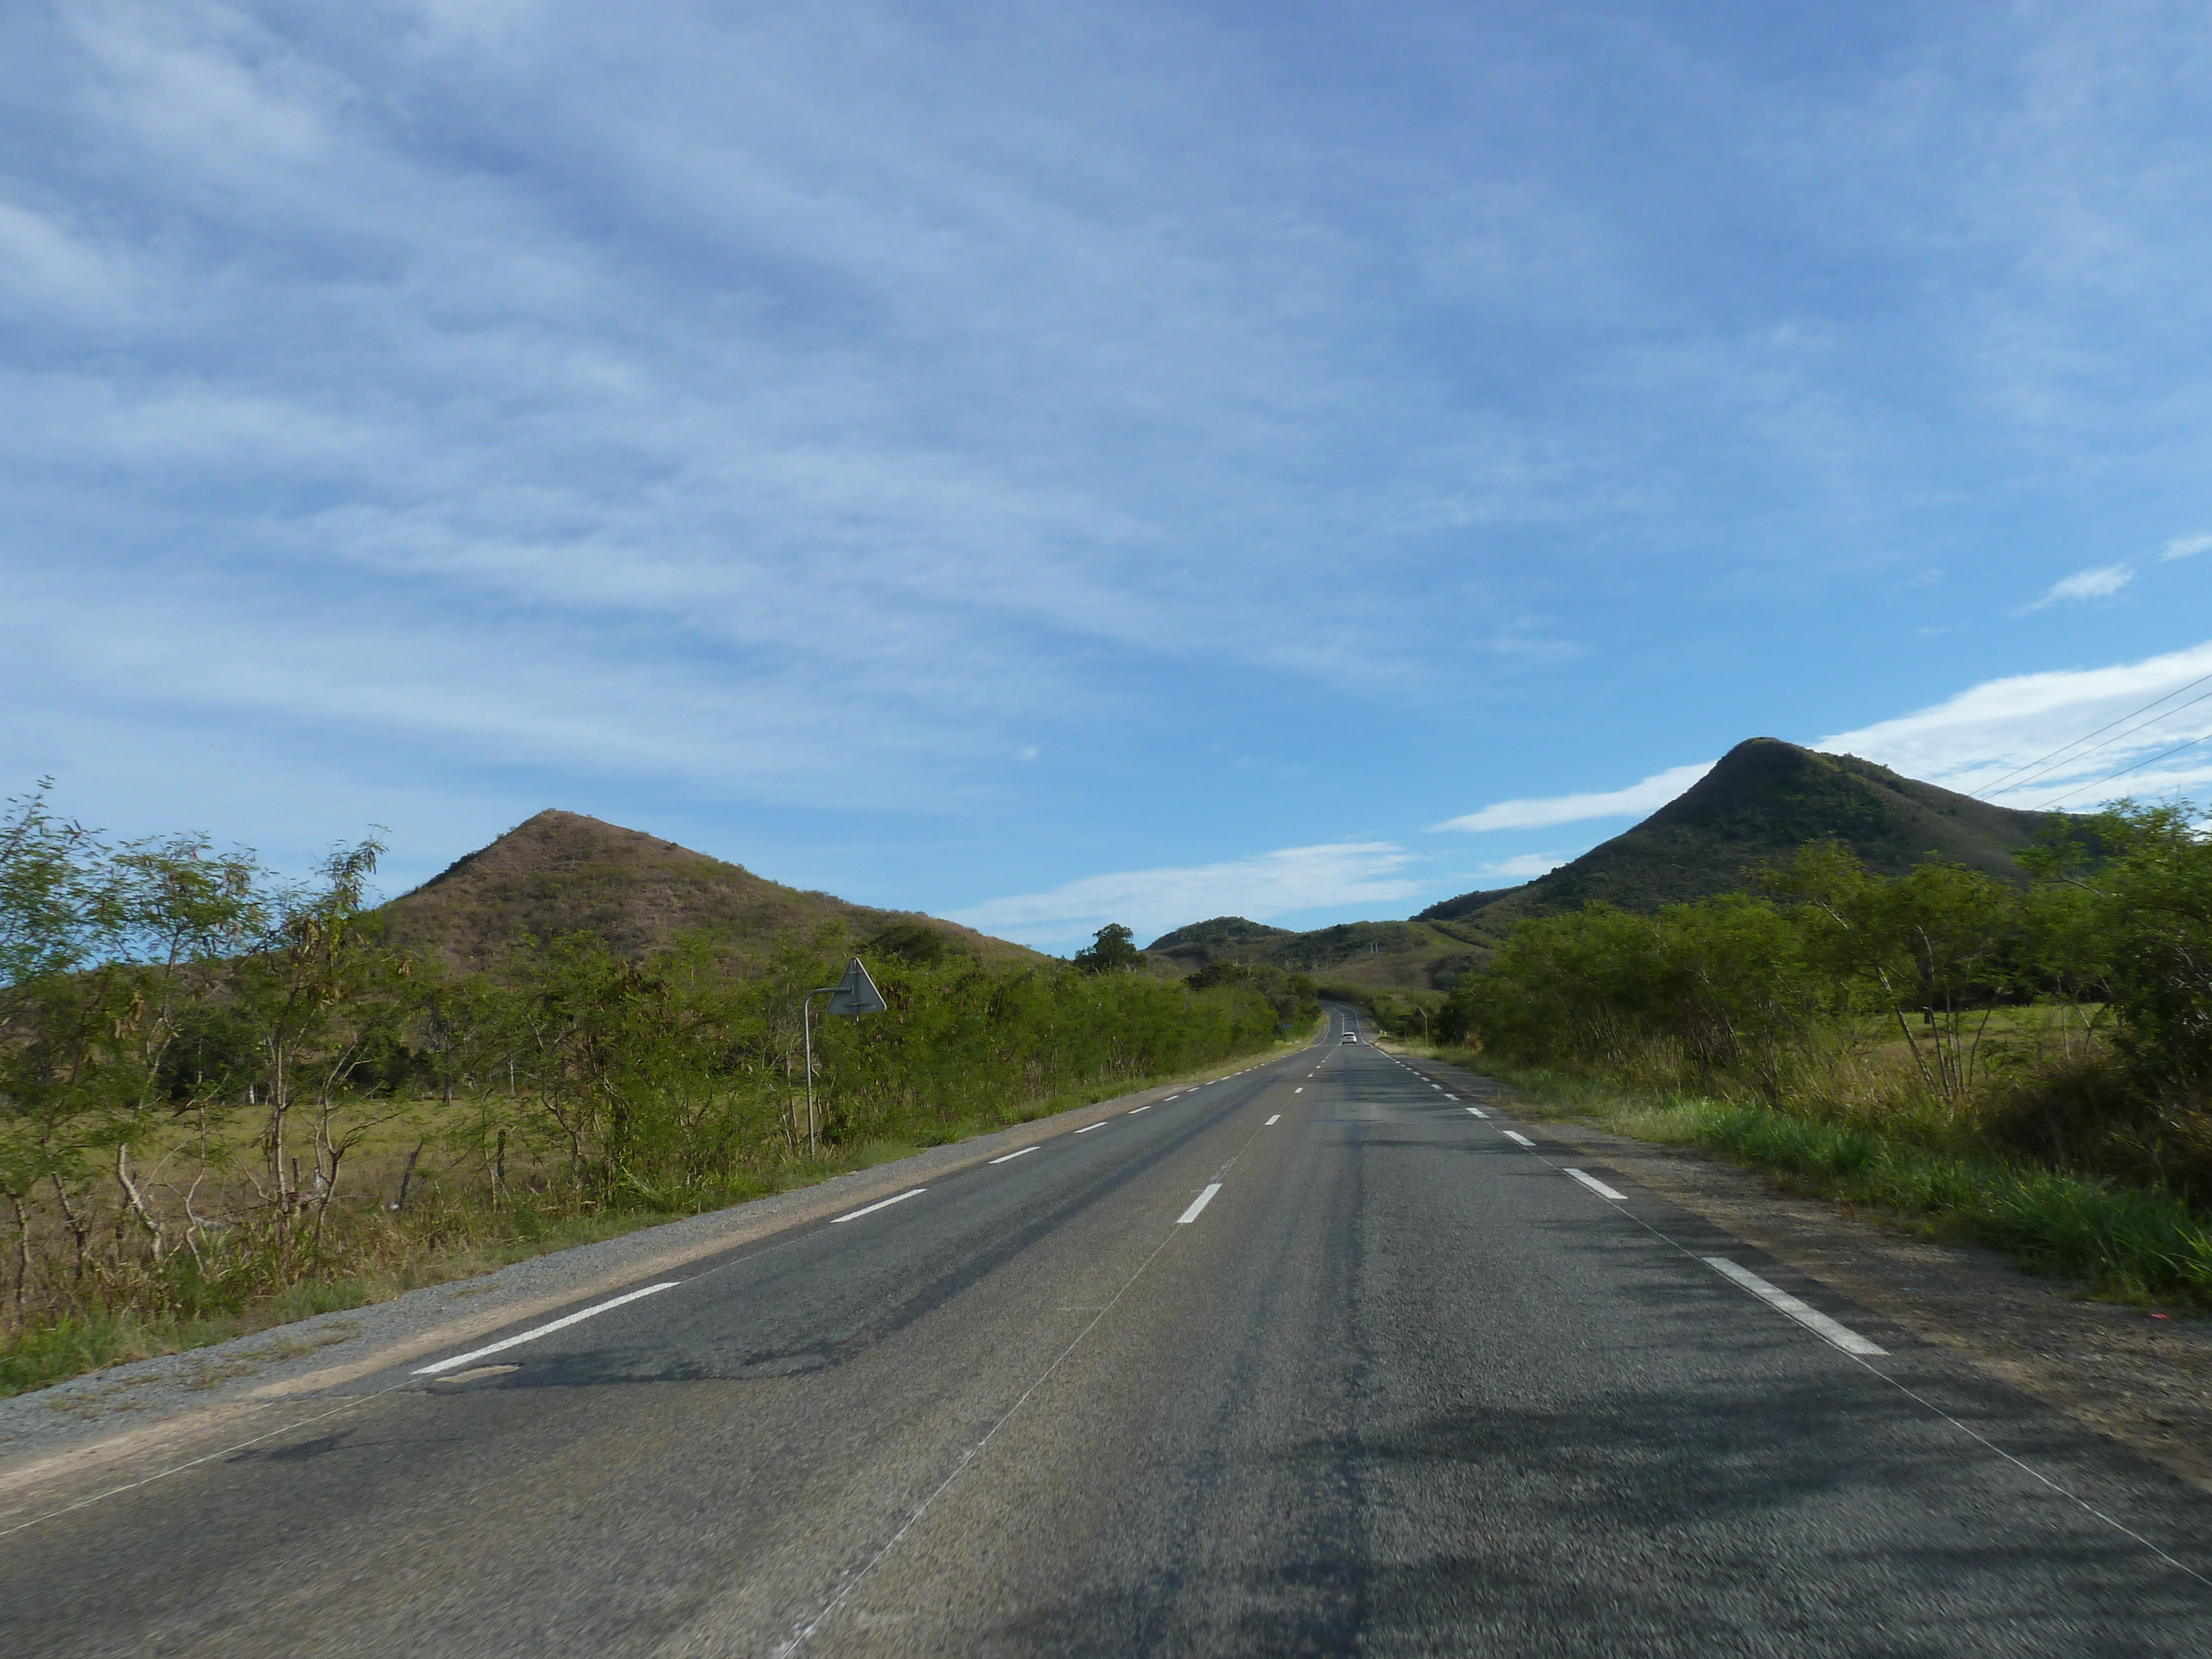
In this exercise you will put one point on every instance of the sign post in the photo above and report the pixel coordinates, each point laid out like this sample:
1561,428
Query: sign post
855,994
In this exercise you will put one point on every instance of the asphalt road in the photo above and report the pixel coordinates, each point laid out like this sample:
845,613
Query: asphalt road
1400,1385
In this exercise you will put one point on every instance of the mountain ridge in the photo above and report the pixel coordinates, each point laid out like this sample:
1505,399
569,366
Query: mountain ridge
1762,800
561,872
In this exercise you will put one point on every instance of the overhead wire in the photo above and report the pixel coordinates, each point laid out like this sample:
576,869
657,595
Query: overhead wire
2137,767
1989,789
2163,714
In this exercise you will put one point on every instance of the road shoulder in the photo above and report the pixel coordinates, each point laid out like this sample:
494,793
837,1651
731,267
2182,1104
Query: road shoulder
2137,1378
136,1421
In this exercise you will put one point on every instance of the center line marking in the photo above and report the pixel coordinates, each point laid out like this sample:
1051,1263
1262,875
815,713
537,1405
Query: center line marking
1599,1187
1300,1090
1198,1204
1272,1121
883,1204
1147,1107
1517,1140
1088,1127
1478,1111
544,1330
1811,1318
1011,1157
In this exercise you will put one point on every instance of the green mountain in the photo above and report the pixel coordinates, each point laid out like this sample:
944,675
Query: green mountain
1225,936
561,872
1764,799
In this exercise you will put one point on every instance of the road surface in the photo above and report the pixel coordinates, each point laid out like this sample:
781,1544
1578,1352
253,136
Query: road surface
1331,1356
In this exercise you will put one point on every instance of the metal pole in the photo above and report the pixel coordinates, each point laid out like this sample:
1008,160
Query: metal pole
807,1023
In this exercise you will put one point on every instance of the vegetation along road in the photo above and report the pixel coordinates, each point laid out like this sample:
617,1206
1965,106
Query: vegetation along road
1326,1356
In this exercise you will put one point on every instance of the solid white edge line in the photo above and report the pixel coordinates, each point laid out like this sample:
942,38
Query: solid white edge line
1811,1318
1272,1121
1011,1157
506,1343
1517,1140
1599,1187
1198,1204
1088,1127
1478,1111
870,1209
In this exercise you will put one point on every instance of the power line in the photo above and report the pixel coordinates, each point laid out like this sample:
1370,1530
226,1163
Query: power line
1989,789
2125,771
2167,714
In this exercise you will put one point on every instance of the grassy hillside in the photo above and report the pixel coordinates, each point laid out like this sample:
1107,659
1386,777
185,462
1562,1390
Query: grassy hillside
1465,904
1764,799
561,872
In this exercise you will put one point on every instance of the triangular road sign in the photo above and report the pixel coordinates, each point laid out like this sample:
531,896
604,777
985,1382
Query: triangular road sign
856,994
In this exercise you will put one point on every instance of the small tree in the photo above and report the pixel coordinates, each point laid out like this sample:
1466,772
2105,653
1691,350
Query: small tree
1112,951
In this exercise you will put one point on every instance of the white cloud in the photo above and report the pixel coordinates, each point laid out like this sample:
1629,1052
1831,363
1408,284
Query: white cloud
42,265
2029,739
1654,792
1527,867
1151,901
2099,584
2183,547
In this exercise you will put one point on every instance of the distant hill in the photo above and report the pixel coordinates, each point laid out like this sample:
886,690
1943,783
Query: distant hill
561,872
1376,954
1764,799
1222,933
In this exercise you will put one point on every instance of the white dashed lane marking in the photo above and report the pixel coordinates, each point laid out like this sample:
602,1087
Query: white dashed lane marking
516,1341
1198,1204
883,1204
1599,1187
1811,1318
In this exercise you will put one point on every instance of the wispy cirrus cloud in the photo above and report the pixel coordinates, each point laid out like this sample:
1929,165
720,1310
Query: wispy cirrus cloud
2185,547
2100,583
964,423
1154,901
1527,867
1637,798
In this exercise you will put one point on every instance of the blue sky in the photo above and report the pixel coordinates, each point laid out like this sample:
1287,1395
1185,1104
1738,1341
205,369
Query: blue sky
1046,465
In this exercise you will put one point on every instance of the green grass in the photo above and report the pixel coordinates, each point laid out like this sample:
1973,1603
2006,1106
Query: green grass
2134,1242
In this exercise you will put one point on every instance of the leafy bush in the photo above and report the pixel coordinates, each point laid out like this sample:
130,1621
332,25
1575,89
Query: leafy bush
1783,996
197,1061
